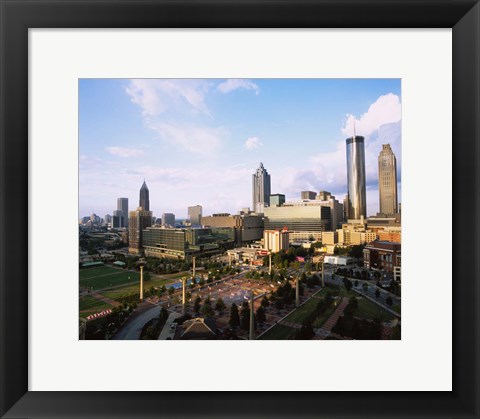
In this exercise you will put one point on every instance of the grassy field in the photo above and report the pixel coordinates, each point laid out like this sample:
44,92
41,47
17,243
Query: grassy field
89,305
299,315
279,332
105,276
369,310
135,287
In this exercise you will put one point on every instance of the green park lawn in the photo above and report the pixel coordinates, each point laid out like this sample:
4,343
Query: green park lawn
89,305
279,332
129,289
105,276
369,310
302,313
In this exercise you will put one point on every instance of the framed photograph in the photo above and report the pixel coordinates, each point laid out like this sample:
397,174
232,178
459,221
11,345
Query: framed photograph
211,173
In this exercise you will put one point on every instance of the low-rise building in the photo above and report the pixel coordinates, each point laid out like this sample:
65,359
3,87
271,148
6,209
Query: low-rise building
382,255
330,237
275,240
186,242
247,227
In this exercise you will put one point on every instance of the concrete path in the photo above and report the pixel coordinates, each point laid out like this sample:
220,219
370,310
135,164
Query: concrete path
325,330
167,331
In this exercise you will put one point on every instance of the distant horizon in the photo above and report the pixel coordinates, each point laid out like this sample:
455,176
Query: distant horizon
198,142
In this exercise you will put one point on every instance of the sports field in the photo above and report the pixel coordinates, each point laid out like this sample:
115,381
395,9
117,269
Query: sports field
106,276
90,305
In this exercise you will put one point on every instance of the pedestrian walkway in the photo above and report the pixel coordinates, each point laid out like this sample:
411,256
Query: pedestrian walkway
167,331
325,330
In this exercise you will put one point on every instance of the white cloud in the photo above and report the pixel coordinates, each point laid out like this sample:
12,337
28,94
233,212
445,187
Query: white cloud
124,152
157,96
252,143
195,139
381,124
385,110
234,84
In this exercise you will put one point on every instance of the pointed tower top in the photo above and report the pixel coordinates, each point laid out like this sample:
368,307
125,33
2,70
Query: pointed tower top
144,186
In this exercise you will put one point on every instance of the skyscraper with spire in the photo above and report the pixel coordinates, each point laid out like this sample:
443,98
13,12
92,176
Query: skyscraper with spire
357,196
261,189
387,181
144,197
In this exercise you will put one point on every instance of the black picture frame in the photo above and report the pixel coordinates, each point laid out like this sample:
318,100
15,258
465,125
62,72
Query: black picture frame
17,16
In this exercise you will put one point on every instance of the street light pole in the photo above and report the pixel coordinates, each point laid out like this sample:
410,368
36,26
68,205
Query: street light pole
270,263
141,282
184,296
193,259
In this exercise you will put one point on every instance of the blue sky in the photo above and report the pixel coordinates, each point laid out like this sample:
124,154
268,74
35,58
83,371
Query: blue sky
199,141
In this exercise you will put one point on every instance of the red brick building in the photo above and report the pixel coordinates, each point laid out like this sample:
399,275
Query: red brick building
382,255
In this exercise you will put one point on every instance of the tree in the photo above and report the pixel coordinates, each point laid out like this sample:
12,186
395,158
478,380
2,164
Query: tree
207,309
377,292
234,317
356,251
245,317
170,291
365,287
265,302
347,283
389,301
260,315
219,305
196,306
305,333
352,305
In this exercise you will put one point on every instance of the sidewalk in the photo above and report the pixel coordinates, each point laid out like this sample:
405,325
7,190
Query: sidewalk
325,330
167,331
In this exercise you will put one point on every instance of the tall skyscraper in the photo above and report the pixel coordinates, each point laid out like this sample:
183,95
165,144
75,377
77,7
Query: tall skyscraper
195,214
139,220
122,205
387,181
144,197
261,189
357,197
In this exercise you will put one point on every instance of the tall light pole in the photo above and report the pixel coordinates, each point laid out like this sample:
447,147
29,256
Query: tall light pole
270,263
193,270
184,296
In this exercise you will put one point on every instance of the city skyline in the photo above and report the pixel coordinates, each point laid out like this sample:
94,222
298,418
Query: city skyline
200,141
